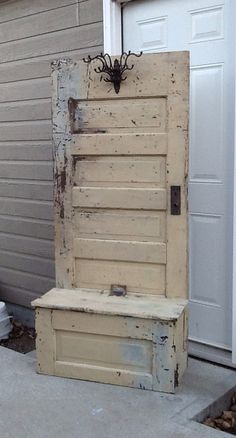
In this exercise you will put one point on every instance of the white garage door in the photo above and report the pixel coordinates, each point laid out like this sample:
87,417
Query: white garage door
205,27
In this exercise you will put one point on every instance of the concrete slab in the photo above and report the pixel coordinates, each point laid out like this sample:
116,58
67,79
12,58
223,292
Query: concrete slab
32,354
36,406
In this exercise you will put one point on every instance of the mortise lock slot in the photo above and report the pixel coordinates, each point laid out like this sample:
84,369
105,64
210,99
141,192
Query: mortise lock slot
175,198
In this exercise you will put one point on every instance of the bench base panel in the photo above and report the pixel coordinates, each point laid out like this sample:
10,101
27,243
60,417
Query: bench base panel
120,350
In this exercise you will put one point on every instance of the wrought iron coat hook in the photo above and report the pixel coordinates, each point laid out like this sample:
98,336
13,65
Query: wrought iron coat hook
113,70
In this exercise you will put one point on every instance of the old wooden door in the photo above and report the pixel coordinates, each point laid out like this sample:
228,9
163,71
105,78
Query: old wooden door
116,158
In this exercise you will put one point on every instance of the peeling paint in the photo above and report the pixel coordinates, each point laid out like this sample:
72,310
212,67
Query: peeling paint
176,376
163,340
149,350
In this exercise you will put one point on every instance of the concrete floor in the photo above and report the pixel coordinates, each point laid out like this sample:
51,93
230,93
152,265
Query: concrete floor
36,406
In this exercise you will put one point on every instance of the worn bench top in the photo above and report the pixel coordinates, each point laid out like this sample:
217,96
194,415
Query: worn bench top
98,301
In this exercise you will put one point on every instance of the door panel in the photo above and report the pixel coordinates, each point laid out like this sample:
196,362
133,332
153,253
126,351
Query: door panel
115,165
204,27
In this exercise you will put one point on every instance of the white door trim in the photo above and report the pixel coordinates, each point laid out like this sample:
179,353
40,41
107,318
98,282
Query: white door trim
234,250
112,28
212,354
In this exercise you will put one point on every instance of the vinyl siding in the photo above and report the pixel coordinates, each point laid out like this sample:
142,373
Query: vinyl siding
32,34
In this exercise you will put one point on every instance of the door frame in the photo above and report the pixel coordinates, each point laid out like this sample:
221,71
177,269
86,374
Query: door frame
112,27
112,32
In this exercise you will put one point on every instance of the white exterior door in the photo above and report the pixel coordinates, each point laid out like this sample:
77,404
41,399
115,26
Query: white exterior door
205,28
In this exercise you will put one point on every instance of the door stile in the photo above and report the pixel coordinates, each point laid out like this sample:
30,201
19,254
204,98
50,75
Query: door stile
177,172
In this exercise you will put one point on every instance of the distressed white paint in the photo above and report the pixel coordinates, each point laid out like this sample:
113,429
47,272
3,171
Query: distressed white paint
137,341
124,184
144,344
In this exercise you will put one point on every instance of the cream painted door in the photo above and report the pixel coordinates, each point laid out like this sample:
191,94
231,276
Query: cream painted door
205,28
115,166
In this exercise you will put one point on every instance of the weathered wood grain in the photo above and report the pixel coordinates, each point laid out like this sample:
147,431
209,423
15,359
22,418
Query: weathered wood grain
177,166
136,341
99,302
101,249
106,115
102,274
109,171
129,144
120,224
100,197
125,171
104,186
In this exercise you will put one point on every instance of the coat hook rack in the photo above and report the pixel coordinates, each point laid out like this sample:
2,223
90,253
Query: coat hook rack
114,70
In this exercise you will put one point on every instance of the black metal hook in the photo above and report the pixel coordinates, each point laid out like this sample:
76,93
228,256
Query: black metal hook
114,70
